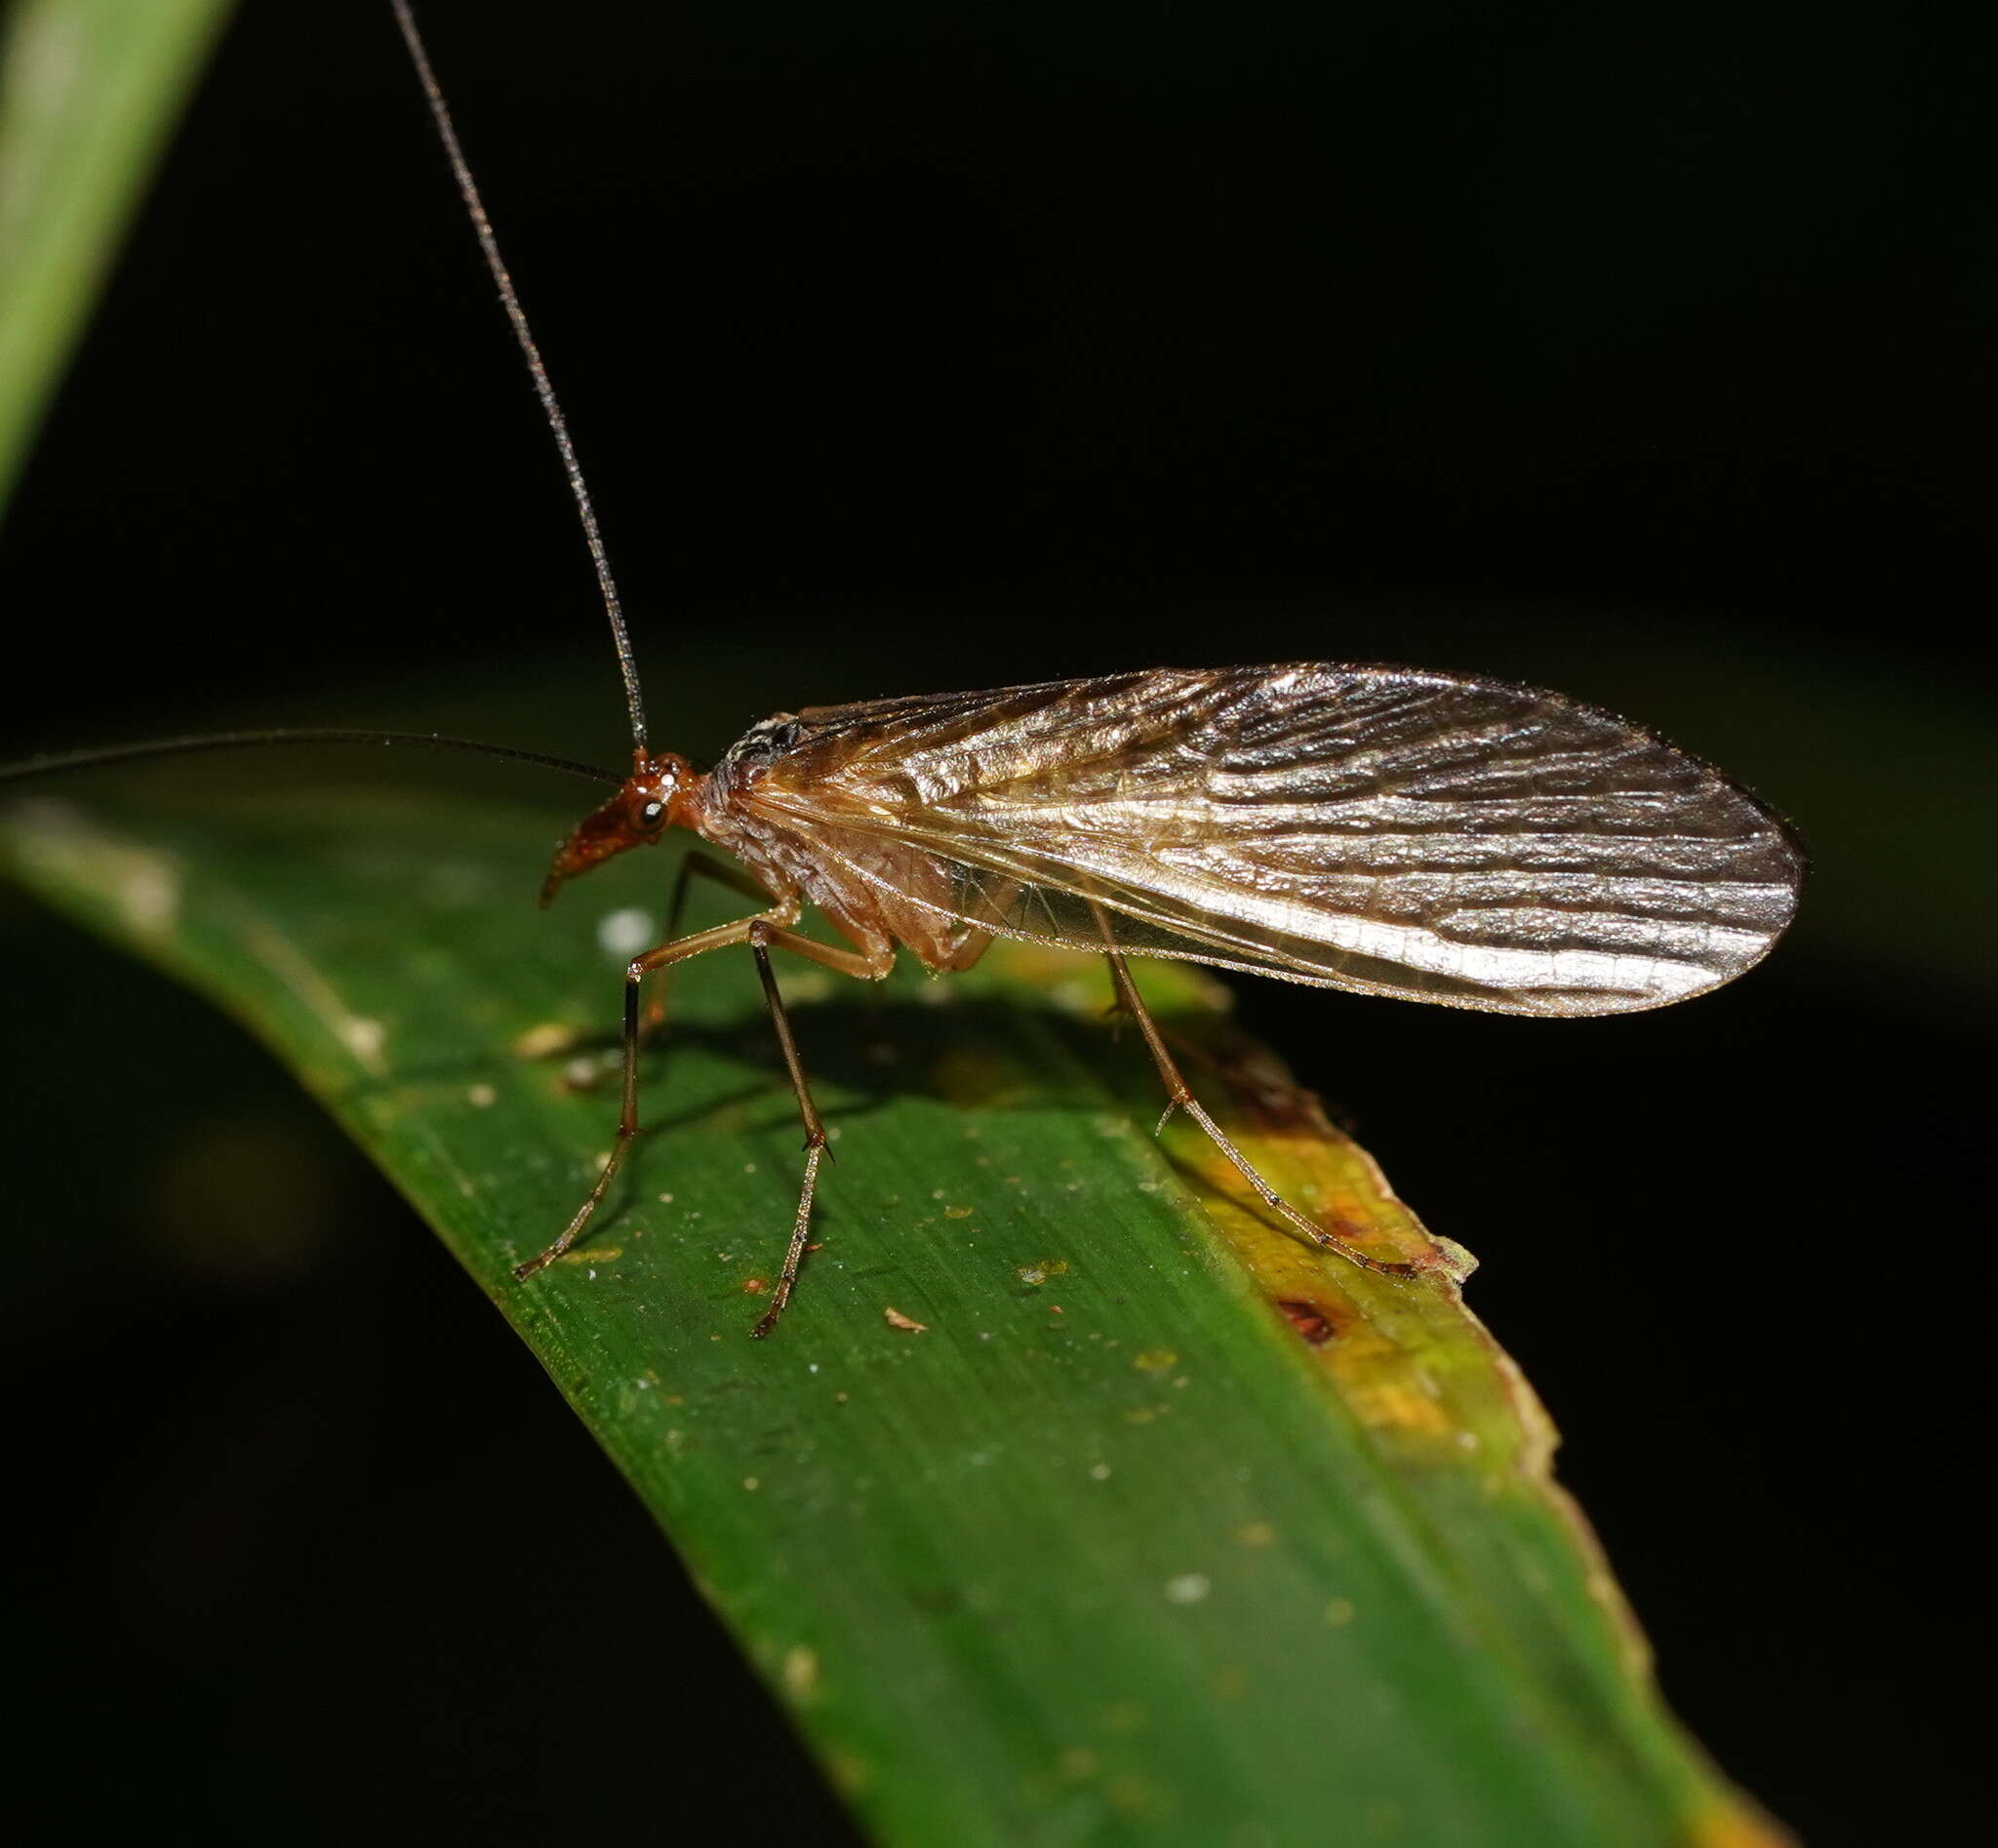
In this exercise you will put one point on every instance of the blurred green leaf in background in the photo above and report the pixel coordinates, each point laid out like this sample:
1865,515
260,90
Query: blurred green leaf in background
90,91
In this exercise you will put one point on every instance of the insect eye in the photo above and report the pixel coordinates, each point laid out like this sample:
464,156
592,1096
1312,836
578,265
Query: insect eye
650,815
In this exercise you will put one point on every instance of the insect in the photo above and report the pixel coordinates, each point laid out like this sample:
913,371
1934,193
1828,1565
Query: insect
1391,830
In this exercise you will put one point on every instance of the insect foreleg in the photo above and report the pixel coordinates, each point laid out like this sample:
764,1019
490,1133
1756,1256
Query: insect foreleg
635,973
1181,1098
762,934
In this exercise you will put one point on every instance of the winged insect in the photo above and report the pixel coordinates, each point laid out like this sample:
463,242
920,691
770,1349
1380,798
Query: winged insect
1391,830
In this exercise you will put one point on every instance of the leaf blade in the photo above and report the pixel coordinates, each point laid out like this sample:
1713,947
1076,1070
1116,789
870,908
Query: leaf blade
1166,1527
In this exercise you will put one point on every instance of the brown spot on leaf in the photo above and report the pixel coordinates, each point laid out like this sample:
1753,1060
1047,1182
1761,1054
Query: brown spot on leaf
1311,1322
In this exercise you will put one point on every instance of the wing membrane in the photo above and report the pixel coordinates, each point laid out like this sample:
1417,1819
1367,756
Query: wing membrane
1432,836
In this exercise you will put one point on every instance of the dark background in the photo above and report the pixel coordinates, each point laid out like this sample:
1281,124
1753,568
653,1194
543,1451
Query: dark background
1649,356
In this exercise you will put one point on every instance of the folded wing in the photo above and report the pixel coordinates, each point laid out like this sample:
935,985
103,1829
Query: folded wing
1432,836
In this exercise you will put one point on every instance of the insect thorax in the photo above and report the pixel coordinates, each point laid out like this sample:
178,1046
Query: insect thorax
759,746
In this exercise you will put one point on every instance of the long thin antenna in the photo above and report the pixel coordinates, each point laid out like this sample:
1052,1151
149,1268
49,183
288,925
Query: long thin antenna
244,740
475,207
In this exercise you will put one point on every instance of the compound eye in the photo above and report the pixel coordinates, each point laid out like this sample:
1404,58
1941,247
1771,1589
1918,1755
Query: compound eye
650,816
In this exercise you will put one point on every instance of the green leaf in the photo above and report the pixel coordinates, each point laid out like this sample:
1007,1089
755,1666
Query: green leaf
1163,1527
89,90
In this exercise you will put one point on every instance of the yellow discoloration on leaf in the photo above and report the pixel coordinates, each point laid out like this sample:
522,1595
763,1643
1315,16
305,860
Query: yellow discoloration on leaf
1408,1359
851,1775
801,1673
58,841
976,1079
544,1040
1737,1826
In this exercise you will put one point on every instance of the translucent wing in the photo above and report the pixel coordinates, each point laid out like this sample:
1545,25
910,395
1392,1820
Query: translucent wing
1438,838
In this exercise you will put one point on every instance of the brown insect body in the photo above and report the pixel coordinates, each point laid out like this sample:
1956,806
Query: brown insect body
1439,838
1385,829
878,892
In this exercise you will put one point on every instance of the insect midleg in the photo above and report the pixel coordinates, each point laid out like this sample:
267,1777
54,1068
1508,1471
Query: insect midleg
846,962
1181,1098
707,866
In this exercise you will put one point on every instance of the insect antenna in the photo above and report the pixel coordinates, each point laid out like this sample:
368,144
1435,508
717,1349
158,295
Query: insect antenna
247,741
552,407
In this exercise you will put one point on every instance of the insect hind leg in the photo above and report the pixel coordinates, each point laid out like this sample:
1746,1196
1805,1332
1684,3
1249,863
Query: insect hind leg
1180,1097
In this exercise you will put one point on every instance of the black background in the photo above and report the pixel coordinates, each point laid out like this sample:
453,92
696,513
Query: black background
1649,356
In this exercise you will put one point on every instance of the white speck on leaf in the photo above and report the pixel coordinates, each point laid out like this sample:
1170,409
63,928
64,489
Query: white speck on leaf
622,933
1189,1588
149,895
544,1040
364,1039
